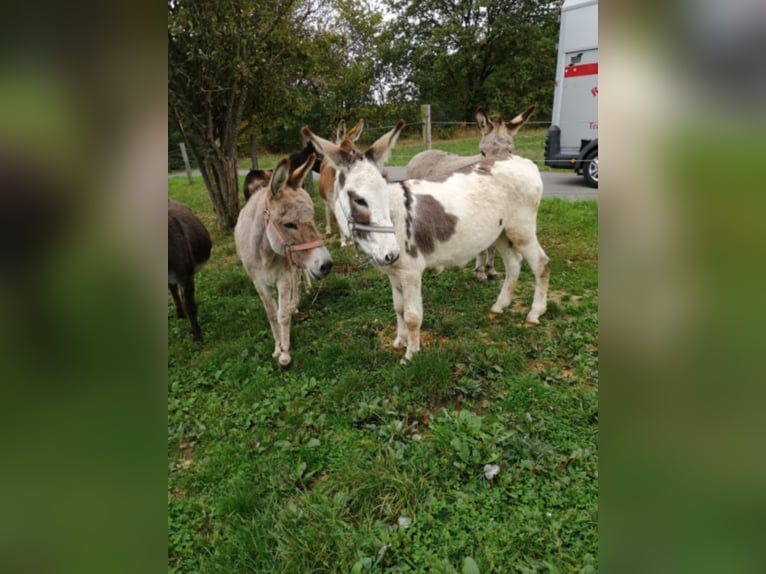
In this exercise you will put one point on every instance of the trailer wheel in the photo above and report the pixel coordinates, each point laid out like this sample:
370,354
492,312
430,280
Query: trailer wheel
591,168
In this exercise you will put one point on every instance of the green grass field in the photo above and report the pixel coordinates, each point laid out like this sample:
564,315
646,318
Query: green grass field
351,462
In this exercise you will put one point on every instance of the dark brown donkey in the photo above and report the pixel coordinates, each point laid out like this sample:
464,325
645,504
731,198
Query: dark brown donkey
189,248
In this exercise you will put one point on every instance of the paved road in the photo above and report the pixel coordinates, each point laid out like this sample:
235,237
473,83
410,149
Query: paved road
564,184
567,185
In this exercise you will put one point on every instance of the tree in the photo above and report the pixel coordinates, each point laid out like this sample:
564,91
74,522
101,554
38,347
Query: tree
227,62
461,55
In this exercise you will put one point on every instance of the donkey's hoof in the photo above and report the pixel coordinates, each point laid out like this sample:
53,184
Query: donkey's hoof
531,322
492,275
481,277
284,359
496,310
398,343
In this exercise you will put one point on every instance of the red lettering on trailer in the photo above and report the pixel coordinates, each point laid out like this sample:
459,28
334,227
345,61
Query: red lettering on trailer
594,91
581,70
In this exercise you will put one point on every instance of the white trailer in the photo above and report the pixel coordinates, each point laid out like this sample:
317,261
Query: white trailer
572,140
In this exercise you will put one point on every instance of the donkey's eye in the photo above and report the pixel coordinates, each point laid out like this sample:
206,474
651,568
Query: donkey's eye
361,202
291,225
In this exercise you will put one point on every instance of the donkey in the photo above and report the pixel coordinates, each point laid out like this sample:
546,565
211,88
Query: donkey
189,247
257,178
496,140
278,242
327,175
408,226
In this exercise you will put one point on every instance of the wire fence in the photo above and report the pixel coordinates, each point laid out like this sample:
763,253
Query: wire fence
440,129
463,124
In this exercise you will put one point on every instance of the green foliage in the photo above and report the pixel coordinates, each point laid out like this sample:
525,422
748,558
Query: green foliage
351,462
241,68
499,54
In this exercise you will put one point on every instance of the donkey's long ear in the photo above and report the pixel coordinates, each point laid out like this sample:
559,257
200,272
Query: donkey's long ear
380,151
485,126
355,132
280,177
337,157
340,131
515,124
299,173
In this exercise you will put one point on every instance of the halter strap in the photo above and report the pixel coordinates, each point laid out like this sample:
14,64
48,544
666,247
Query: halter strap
288,247
353,226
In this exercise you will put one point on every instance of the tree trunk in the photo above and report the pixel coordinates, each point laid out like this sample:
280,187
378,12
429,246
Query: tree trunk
253,152
220,175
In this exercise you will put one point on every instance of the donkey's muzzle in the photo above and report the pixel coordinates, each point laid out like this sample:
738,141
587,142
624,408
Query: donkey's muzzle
322,270
325,268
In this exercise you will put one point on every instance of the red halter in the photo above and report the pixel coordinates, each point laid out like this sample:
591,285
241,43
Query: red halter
289,248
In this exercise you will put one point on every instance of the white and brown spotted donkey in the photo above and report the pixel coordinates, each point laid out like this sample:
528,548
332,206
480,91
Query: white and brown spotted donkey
409,226
496,141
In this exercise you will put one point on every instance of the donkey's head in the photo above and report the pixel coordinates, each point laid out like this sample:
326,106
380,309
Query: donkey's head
290,226
362,199
496,134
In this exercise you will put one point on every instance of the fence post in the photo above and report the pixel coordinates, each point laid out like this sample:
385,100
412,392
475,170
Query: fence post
253,152
425,118
182,145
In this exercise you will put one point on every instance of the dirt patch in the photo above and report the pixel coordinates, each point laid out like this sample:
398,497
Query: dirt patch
187,458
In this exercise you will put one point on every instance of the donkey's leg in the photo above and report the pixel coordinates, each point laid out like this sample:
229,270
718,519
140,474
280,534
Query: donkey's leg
478,269
295,292
398,294
344,241
485,265
512,261
264,291
180,313
413,312
187,284
489,262
541,267
284,316
327,226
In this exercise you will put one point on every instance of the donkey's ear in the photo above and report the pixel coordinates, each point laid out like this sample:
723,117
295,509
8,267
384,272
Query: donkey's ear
355,132
380,151
300,172
280,177
340,132
515,124
485,126
332,152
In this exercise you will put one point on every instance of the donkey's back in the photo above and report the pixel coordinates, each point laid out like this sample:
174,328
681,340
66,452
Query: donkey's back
438,165
451,220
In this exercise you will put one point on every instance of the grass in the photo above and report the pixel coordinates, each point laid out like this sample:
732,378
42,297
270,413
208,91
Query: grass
351,462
